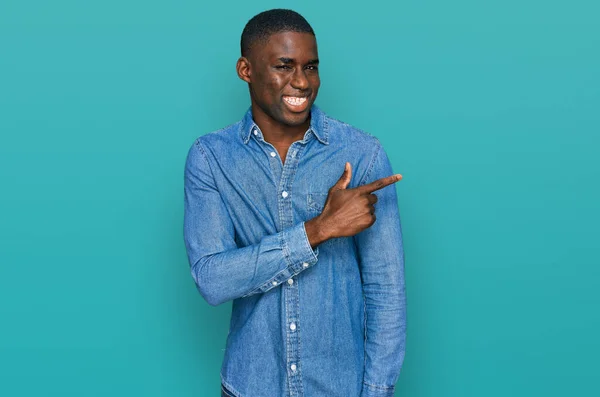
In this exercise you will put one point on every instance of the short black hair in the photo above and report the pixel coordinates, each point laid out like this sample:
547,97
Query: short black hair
270,22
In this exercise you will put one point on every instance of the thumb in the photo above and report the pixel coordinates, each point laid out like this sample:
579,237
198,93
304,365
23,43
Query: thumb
344,180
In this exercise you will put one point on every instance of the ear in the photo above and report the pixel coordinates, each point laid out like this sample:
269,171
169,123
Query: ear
243,69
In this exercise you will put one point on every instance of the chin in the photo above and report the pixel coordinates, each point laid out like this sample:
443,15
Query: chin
295,119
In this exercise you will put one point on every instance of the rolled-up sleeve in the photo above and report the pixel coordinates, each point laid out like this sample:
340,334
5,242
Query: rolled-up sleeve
381,258
221,270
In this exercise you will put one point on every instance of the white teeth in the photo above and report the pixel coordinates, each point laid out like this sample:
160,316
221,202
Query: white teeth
294,100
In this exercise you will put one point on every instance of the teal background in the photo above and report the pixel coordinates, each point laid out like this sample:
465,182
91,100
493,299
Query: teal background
490,110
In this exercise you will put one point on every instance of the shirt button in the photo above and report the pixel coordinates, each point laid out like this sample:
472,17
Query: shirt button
274,282
293,367
290,281
284,194
273,154
305,264
255,132
292,326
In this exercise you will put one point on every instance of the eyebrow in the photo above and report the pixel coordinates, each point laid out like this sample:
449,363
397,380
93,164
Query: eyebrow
291,60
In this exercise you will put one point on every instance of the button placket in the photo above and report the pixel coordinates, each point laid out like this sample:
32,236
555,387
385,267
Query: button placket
291,294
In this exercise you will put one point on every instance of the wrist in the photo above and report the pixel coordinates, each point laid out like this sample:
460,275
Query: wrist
316,231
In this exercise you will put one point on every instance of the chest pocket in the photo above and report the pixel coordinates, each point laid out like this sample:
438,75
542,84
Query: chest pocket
315,202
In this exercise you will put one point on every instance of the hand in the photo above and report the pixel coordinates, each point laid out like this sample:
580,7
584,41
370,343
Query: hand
346,211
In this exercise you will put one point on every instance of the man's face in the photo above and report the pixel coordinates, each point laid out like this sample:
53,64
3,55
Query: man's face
284,77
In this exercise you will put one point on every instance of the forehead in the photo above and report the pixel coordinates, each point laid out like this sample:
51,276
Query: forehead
299,46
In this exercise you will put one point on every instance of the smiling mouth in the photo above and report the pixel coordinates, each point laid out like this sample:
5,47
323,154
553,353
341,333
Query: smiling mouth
295,100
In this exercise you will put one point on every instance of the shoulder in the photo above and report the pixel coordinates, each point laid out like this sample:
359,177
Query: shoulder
225,136
361,148
216,143
213,144
342,133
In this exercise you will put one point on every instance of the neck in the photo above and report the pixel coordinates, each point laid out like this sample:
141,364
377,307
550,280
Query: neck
277,133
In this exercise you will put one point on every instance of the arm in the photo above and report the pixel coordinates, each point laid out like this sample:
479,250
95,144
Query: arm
220,269
381,258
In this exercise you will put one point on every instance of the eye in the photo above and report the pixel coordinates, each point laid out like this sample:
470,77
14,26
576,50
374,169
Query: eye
283,67
312,67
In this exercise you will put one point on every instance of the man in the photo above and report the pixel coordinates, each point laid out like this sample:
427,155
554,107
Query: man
280,218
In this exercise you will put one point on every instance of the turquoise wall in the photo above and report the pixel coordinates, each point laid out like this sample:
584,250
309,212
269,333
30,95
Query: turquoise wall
490,110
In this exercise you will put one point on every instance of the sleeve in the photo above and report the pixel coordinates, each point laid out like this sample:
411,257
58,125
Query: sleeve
221,270
381,258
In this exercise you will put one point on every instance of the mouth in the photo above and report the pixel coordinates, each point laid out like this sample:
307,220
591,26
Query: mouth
296,103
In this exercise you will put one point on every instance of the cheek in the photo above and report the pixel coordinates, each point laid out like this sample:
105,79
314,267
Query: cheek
315,81
267,91
276,83
267,84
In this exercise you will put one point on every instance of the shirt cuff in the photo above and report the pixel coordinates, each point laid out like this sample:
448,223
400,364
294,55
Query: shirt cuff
298,255
297,249
376,391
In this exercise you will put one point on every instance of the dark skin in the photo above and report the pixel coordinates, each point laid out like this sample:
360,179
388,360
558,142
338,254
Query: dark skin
284,67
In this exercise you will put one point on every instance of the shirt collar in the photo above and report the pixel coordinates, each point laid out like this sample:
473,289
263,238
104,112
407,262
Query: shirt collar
318,126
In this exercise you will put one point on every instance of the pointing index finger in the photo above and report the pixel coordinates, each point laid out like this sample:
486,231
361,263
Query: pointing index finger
380,183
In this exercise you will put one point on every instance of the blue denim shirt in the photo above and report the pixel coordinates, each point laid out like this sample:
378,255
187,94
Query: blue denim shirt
326,322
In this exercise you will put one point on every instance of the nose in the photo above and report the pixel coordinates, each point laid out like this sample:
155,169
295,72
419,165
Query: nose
299,80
